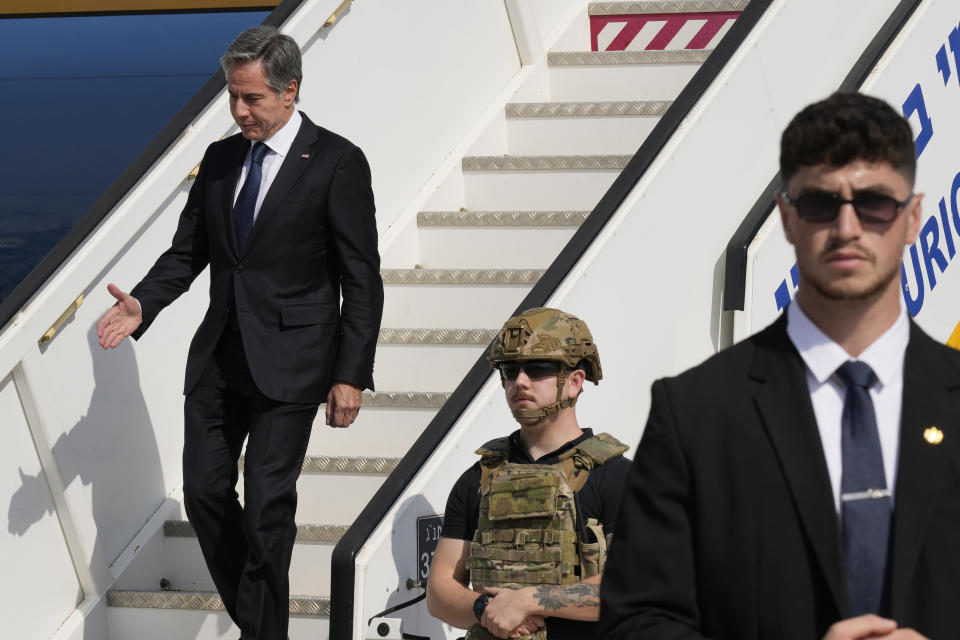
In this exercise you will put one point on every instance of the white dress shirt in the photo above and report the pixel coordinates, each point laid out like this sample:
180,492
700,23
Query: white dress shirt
279,146
822,357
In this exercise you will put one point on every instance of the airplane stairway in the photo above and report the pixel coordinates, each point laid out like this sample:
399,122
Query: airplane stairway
492,228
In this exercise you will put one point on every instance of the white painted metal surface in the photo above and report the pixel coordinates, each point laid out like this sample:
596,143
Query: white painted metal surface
33,552
579,134
159,624
377,432
922,56
621,75
650,286
515,247
524,190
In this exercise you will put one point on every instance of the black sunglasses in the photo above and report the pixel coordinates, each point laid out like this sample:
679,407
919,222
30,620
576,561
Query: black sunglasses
534,370
823,206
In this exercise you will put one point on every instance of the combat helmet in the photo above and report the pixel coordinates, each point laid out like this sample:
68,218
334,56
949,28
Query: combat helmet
547,334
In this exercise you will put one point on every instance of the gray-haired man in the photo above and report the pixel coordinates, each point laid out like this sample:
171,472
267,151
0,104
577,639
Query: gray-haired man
283,215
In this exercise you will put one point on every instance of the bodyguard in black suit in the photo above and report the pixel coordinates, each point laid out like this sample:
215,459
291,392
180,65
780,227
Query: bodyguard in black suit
805,483
283,215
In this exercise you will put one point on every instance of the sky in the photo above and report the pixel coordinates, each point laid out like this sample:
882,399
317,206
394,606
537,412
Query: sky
80,98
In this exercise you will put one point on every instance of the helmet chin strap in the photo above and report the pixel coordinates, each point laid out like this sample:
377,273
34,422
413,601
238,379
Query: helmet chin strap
549,410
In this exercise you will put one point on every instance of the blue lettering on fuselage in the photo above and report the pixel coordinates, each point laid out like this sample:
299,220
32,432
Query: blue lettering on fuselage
928,259
930,254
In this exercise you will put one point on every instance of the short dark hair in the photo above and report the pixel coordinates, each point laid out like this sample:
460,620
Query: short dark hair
279,53
845,127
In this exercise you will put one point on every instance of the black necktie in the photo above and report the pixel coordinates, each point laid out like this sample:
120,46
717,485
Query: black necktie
247,199
865,504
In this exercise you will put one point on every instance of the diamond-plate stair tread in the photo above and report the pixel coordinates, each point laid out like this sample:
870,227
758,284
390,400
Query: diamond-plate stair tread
404,399
349,464
346,464
305,532
546,163
437,336
461,276
587,109
501,218
664,6
583,58
206,601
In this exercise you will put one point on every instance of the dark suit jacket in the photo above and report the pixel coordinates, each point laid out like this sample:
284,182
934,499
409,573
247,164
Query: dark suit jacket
314,237
728,528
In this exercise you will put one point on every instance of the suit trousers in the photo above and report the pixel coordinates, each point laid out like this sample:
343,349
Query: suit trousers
247,548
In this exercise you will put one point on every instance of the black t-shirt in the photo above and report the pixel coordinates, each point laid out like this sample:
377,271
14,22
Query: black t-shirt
599,498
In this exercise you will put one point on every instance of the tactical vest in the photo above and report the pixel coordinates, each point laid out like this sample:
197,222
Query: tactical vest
528,532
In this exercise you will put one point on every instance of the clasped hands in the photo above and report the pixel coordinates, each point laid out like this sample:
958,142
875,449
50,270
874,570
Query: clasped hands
870,627
511,613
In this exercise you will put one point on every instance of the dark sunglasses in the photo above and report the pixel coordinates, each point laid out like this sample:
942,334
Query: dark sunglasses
534,370
823,206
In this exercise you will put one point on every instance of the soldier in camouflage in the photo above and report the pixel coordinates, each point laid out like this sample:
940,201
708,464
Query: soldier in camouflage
526,528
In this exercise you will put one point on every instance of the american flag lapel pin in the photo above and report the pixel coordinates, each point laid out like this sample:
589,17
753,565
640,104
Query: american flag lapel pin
305,156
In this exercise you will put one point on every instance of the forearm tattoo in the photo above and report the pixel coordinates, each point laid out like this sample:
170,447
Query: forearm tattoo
556,597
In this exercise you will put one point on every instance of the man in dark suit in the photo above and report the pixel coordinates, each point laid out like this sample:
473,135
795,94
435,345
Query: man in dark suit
283,214
804,483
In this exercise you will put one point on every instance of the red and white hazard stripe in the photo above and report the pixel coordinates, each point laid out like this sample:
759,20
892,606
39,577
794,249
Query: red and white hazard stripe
659,31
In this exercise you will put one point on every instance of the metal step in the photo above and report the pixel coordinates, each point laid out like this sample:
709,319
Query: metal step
621,76
388,423
442,356
168,624
404,399
381,431
331,497
626,58
305,532
446,219
664,6
184,569
426,367
346,464
437,298
481,337
581,127
205,601
527,182
460,276
587,109
603,162
349,464
512,239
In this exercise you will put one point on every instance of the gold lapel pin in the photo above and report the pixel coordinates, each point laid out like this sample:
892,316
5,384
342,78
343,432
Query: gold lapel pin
933,435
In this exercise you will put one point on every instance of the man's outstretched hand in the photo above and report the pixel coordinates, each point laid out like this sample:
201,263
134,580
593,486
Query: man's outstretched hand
120,320
343,404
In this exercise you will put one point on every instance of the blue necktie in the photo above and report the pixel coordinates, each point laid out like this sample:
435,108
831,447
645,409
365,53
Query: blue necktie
865,504
246,203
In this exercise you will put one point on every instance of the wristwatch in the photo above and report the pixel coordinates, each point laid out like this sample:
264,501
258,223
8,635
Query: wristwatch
479,605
